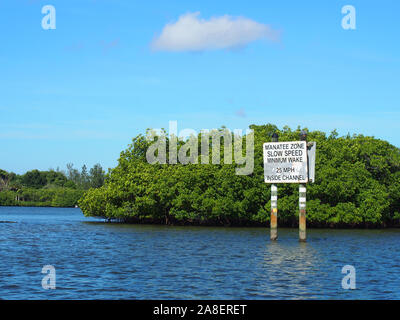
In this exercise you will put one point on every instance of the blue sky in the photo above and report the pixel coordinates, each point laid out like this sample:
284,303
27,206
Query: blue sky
79,93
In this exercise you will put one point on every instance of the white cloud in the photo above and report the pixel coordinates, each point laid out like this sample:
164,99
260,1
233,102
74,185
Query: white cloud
190,33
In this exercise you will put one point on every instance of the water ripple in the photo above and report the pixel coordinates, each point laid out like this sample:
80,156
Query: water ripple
96,260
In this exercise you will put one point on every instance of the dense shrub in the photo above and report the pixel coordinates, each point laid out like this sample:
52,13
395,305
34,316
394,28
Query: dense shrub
357,184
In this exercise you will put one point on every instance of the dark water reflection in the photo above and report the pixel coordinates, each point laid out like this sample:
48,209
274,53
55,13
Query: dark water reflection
96,260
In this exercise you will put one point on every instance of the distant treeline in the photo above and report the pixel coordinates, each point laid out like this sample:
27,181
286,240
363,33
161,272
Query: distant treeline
357,185
54,188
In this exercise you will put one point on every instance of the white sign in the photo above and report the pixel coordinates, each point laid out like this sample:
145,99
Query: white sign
285,162
311,151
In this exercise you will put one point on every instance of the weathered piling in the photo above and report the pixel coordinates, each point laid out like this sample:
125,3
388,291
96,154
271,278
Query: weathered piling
302,212
274,212
274,202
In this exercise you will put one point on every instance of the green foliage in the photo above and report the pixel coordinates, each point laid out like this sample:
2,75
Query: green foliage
7,198
84,180
55,178
357,185
48,188
56,197
34,179
97,176
66,197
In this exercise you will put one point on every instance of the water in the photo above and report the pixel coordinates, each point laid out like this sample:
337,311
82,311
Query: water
97,260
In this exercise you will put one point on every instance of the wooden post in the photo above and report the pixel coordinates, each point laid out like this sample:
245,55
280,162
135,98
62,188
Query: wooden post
302,212
274,201
274,212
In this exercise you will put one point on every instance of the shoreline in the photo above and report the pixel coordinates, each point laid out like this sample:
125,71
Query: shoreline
216,223
31,206
243,224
